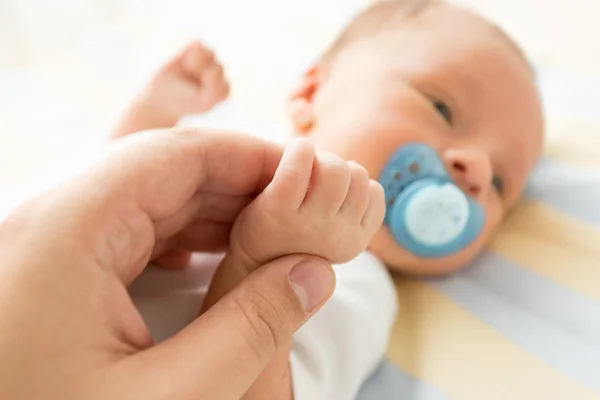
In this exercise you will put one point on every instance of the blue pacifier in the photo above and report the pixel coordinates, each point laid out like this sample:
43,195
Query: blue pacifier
427,213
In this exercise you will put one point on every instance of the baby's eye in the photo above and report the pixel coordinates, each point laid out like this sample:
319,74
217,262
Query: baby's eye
498,184
443,109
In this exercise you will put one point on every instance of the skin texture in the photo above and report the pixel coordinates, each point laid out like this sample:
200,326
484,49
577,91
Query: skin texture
316,203
68,328
191,82
446,78
397,87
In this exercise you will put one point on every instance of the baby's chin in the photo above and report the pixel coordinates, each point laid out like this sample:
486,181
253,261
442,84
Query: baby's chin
399,260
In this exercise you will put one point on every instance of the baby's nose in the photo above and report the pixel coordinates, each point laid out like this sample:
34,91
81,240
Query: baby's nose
471,170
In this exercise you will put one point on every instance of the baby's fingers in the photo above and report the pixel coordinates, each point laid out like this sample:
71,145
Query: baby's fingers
329,185
291,180
196,59
214,85
357,199
375,213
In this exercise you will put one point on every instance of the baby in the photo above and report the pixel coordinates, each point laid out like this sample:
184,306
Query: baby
435,103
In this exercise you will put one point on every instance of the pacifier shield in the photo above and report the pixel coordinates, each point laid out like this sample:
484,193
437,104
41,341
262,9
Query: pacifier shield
437,214
428,214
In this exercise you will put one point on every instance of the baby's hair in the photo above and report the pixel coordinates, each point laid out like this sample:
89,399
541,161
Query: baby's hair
383,15
386,15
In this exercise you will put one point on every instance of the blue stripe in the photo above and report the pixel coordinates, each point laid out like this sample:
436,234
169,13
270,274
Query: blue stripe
559,326
390,383
573,190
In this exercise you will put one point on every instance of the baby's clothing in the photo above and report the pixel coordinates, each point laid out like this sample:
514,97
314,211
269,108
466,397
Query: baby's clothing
334,352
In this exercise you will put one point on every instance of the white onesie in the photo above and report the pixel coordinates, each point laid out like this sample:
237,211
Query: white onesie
334,352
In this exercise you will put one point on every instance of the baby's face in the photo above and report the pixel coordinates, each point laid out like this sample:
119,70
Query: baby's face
448,80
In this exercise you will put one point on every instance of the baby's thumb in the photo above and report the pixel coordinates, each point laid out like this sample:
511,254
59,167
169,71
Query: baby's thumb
221,354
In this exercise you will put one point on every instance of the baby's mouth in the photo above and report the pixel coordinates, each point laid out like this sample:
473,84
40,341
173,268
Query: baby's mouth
427,213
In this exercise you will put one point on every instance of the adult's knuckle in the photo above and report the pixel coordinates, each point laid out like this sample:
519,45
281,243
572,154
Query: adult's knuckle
256,342
184,134
266,320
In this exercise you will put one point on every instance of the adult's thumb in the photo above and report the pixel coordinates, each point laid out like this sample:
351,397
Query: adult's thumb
222,353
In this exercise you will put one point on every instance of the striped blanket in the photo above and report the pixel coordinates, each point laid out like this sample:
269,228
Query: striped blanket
522,322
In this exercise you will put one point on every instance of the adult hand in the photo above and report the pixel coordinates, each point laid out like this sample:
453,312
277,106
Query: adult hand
68,328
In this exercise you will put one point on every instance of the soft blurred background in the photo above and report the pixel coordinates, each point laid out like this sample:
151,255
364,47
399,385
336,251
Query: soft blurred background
68,67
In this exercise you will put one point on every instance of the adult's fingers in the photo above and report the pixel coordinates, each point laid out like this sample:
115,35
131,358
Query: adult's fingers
164,169
149,185
202,207
222,353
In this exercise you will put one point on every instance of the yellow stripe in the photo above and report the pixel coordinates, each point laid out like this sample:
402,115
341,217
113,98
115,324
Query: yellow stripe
578,143
554,245
439,342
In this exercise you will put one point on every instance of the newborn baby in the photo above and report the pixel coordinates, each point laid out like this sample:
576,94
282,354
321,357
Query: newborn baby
423,95
423,71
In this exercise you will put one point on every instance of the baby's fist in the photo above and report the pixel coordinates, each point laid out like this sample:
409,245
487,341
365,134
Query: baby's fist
316,204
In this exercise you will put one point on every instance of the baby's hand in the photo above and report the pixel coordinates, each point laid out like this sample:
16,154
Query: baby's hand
316,204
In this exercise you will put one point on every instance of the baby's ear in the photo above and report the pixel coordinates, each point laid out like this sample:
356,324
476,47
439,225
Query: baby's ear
300,103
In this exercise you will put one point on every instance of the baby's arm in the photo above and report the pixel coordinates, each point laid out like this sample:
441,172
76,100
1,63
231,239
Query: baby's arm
192,82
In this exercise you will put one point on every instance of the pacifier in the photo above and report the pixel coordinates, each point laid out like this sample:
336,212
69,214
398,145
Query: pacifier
427,213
